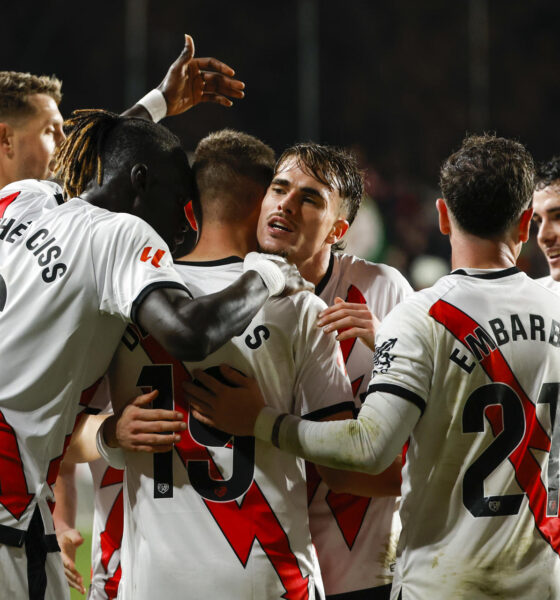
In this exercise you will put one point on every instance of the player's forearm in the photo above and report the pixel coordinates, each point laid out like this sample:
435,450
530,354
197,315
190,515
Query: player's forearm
192,329
66,497
368,443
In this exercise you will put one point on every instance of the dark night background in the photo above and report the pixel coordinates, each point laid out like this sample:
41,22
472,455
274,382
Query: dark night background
396,81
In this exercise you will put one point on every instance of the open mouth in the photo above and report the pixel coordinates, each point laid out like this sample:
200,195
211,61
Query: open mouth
279,224
553,254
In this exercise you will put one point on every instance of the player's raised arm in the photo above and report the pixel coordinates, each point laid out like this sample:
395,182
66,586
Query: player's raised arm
188,82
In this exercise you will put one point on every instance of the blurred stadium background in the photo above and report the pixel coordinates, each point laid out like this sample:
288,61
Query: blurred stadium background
398,82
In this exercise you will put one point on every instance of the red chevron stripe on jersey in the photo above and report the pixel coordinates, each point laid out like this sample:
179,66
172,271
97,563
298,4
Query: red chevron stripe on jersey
349,510
14,495
527,469
6,201
241,523
356,297
110,541
111,477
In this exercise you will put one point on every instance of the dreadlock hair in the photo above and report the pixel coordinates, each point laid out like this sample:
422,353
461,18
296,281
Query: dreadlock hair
334,167
100,142
548,173
16,89
229,167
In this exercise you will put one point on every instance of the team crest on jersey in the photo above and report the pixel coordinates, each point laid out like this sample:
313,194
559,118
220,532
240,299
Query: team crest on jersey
382,358
163,488
494,505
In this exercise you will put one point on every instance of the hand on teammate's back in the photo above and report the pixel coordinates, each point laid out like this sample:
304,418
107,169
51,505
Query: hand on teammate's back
140,428
190,81
231,408
351,320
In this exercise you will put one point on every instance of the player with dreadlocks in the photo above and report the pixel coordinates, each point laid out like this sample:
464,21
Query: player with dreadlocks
72,280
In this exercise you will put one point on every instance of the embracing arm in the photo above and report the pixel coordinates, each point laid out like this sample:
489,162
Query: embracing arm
192,329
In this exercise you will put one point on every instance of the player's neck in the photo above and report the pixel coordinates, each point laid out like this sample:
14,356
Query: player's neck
220,241
476,253
315,268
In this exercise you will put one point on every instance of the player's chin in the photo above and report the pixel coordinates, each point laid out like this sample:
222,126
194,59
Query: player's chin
273,248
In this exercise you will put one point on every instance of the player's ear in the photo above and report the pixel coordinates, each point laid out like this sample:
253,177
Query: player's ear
444,225
6,139
138,177
525,224
337,232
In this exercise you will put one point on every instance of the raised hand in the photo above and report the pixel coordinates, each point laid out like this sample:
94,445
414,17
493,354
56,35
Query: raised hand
190,81
351,320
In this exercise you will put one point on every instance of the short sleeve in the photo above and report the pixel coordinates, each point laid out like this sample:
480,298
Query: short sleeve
322,385
129,260
403,359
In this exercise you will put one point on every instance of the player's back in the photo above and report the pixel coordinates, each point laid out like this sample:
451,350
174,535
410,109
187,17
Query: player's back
480,482
231,516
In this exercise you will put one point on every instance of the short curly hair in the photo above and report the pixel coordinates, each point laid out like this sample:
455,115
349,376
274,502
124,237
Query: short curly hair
16,88
548,172
487,184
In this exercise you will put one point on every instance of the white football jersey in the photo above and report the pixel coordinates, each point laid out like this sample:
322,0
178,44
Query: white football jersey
356,537
479,355
220,512
106,537
68,287
22,202
550,283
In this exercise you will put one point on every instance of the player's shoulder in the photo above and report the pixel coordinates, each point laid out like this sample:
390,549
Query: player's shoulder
367,273
32,186
303,306
549,283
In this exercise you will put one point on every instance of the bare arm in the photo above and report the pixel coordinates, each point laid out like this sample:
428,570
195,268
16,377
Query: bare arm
64,516
82,446
192,329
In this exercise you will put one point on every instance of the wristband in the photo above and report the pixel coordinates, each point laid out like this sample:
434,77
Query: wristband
268,269
274,438
154,102
112,456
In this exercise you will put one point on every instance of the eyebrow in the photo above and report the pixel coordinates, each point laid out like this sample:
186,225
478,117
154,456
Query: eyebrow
306,190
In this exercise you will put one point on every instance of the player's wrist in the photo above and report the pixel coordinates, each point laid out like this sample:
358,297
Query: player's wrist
265,422
155,103
270,272
114,456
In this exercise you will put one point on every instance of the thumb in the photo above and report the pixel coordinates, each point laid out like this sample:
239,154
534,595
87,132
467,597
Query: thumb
338,300
145,398
188,51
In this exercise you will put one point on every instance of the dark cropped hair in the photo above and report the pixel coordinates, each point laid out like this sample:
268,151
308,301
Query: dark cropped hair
487,184
333,167
16,88
547,173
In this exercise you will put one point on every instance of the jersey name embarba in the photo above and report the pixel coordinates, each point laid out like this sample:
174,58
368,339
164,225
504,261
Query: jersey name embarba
41,243
526,327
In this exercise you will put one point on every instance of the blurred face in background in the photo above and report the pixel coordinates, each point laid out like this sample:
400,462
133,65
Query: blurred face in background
29,143
546,216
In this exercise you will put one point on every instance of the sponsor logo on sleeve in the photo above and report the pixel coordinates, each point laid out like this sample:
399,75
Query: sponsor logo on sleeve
154,258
